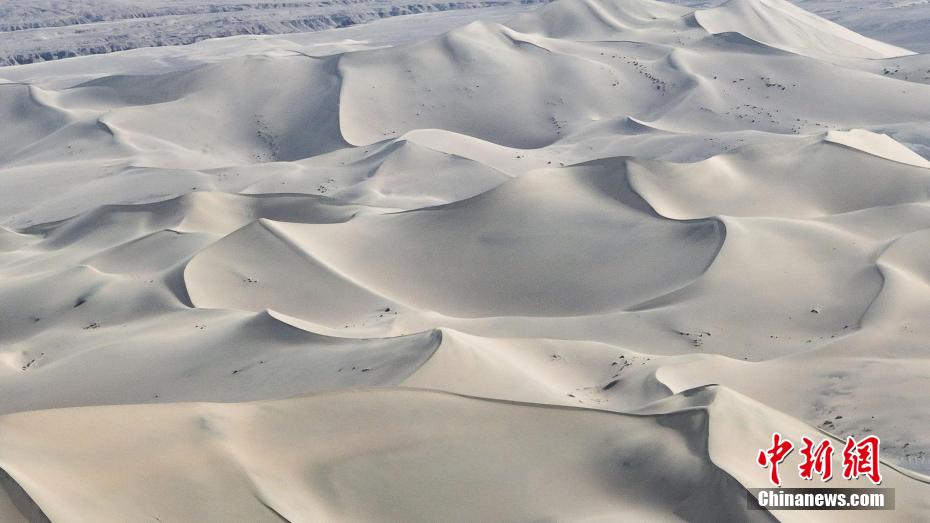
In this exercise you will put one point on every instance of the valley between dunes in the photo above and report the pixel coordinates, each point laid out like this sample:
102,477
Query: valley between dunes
576,266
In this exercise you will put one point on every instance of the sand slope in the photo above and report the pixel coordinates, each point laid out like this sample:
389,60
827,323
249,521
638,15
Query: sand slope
578,266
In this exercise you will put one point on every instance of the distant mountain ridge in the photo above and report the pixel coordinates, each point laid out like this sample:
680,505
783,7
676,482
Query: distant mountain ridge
42,30
35,32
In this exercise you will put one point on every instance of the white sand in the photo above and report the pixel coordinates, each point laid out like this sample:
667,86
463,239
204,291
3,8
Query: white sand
578,266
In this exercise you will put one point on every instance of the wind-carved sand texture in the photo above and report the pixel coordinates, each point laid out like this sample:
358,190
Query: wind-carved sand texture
575,267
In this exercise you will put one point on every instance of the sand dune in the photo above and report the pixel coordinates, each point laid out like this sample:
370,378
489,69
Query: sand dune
386,453
542,227
797,180
786,26
578,266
